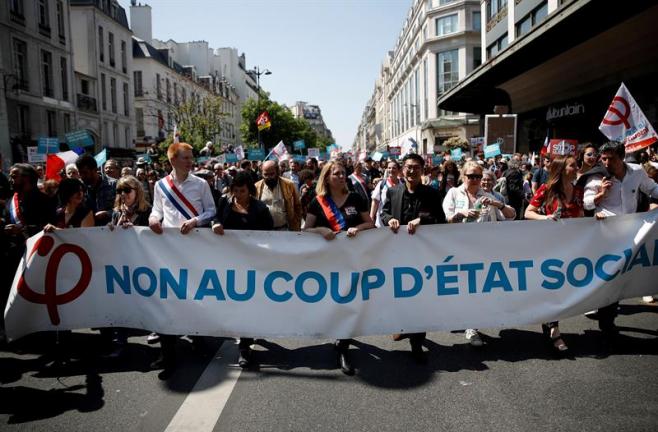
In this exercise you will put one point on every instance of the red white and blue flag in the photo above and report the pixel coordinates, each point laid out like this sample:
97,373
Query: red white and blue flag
15,214
176,198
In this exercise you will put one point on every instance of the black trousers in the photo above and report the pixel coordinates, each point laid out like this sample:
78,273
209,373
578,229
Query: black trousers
607,316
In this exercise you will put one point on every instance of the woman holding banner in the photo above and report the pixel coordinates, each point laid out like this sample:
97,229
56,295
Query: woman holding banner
332,211
469,202
242,211
556,199
72,213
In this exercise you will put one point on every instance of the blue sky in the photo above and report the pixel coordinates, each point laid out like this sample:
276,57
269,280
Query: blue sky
325,52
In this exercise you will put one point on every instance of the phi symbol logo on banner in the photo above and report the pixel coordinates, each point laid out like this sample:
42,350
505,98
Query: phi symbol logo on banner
50,298
621,118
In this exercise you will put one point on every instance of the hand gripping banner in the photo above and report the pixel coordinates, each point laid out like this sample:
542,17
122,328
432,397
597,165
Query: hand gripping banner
283,284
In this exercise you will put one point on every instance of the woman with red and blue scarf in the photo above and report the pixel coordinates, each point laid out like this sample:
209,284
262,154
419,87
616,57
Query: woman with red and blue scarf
333,210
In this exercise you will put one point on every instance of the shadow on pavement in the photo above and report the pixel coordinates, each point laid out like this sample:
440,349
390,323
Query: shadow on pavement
396,369
24,404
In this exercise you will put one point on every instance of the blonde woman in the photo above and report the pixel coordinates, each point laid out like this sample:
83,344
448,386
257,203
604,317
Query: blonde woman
130,205
333,210
469,202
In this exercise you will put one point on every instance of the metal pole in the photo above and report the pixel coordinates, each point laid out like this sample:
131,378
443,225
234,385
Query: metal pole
260,145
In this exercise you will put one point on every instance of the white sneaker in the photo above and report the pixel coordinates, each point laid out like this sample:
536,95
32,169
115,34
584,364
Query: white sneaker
473,337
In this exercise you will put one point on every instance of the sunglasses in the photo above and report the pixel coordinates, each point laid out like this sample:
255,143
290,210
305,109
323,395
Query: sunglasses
473,176
124,189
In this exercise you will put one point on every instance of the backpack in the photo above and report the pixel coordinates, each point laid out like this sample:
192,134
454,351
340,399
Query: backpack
514,185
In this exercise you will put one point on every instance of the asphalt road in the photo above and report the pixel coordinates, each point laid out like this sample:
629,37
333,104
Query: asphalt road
513,383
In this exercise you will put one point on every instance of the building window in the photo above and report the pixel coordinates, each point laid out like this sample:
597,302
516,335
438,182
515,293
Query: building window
101,44
103,92
44,16
127,136
158,87
417,98
125,99
110,47
24,120
168,89
65,78
477,57
51,117
425,90
137,79
84,87
67,123
428,5
184,95
446,25
499,45
115,135
47,73
532,19
124,59
445,2
60,21
113,94
139,118
447,68
16,9
175,94
495,6
477,21
20,64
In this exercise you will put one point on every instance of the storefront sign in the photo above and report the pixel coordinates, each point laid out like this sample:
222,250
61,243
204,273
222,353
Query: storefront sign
562,147
568,110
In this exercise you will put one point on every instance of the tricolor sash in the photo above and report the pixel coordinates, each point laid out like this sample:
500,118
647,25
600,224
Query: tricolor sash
332,213
176,197
15,214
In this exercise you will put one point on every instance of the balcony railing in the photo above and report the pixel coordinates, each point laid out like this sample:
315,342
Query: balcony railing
87,103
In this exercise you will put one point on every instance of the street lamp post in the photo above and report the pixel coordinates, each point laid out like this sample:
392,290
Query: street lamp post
258,72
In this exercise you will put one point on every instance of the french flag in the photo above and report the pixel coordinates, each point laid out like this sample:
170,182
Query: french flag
544,149
56,162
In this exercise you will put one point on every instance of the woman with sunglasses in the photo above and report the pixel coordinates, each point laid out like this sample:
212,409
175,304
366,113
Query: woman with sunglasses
335,209
557,198
469,202
130,206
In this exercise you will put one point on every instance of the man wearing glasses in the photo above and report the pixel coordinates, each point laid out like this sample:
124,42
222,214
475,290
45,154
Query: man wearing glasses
412,203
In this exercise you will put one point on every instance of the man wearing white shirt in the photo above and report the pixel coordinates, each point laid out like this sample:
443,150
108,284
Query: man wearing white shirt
612,195
180,200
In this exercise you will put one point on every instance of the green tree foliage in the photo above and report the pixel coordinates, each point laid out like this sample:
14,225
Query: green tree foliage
285,127
456,142
198,121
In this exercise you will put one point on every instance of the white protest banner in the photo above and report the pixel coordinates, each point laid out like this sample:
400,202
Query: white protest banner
300,285
239,152
625,122
314,153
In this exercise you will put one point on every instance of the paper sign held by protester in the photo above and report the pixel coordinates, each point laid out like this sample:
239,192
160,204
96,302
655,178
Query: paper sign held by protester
314,153
563,147
33,155
239,152
625,122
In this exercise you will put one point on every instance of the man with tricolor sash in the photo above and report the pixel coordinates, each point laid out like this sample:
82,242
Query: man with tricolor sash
27,211
184,201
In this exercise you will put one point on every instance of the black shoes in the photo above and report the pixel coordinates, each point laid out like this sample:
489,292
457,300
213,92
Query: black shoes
418,354
244,361
344,362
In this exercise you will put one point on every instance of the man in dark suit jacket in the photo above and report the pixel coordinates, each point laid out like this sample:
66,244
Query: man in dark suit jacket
411,203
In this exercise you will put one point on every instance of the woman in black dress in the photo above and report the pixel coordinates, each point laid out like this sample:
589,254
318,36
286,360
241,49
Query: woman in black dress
72,212
241,211
336,209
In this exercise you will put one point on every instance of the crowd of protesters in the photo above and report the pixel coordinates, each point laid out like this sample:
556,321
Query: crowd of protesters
322,197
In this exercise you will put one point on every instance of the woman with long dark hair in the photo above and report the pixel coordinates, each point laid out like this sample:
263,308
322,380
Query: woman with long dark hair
240,210
72,212
557,198
333,210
